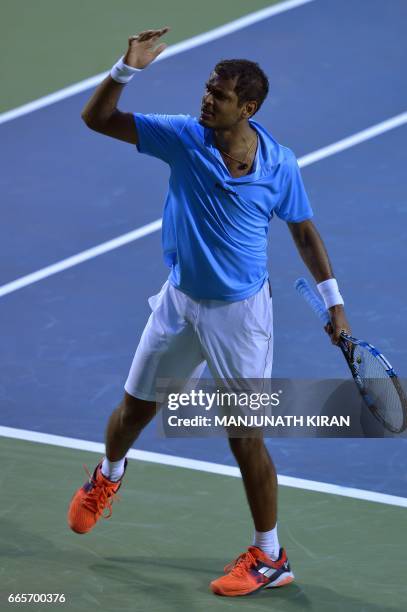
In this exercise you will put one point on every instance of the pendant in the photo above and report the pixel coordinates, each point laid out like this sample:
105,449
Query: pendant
242,167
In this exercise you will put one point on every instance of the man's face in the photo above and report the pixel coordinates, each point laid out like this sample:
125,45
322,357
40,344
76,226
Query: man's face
220,105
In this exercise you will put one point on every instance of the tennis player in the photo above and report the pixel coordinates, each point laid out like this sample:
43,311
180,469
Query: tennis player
228,178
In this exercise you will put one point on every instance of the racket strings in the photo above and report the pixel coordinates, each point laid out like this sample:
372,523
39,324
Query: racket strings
377,387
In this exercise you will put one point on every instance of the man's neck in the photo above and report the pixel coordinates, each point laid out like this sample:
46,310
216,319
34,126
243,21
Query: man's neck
234,139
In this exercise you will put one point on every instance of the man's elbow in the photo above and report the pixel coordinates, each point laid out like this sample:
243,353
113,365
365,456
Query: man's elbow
87,119
91,122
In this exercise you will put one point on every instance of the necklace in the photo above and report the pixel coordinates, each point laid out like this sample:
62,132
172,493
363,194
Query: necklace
242,164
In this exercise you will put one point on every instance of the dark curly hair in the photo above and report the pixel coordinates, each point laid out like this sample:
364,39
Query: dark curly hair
252,83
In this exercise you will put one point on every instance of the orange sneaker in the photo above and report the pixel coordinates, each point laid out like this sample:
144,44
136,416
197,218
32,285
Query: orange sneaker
90,501
252,571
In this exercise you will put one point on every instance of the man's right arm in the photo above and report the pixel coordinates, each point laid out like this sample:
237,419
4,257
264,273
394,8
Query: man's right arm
101,113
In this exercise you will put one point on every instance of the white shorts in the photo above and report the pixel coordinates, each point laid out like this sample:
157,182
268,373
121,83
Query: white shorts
183,335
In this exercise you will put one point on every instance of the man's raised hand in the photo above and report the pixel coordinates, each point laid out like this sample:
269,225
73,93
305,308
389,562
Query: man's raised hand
143,48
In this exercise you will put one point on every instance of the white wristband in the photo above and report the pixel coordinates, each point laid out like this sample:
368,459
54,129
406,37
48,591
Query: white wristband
122,73
330,292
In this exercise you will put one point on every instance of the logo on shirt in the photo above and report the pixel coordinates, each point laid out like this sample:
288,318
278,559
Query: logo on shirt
226,190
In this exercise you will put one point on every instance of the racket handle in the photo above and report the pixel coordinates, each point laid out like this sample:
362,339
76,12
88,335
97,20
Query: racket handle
313,300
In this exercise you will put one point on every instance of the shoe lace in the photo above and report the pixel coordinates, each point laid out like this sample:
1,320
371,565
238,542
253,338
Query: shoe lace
241,564
100,497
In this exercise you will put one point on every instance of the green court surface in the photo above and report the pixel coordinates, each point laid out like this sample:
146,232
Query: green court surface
172,532
49,44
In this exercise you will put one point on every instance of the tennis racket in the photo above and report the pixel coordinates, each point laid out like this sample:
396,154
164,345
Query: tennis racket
375,378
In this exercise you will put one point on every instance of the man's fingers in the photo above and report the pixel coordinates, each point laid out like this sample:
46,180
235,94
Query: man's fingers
149,34
350,346
328,328
159,50
330,331
337,335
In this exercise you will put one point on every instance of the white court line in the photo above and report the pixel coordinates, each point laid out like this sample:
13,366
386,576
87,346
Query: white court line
190,43
202,466
74,260
355,139
306,160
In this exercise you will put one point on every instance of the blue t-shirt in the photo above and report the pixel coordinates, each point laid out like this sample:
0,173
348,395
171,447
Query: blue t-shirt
214,232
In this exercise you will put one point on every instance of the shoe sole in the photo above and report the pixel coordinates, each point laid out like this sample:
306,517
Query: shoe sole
72,528
282,580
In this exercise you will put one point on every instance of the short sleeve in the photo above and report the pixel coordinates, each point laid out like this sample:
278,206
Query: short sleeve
160,135
294,205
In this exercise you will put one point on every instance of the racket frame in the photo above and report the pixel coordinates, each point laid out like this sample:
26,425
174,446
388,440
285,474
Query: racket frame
318,306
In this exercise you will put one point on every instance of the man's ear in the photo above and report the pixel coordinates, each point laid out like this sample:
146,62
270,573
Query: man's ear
249,109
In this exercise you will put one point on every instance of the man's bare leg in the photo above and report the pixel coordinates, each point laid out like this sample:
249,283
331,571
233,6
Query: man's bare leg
125,425
265,564
92,500
260,482
259,479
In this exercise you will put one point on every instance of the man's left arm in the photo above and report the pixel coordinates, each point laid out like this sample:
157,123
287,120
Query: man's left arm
313,253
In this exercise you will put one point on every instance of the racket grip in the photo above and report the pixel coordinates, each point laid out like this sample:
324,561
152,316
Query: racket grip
312,299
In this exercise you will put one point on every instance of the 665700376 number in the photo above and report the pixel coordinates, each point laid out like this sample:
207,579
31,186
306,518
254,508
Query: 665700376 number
44,598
